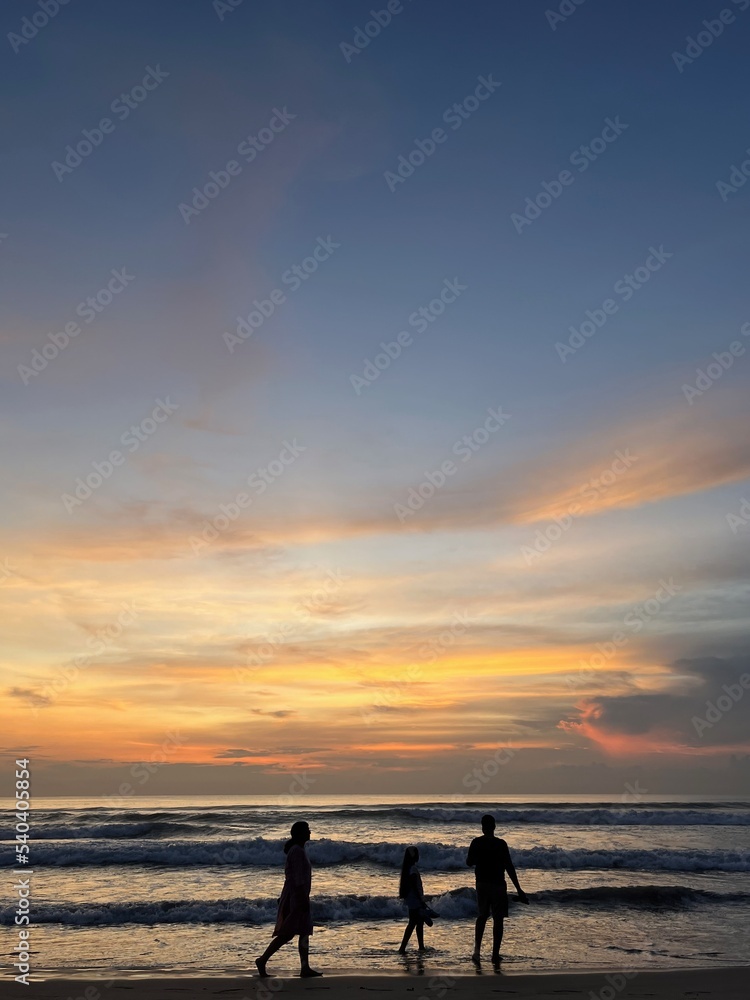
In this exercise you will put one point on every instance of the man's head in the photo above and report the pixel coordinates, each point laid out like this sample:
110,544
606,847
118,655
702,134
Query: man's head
488,823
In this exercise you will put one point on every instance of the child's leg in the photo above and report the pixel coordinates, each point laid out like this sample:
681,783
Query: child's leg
407,934
420,934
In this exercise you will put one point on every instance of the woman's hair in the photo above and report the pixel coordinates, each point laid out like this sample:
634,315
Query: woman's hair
298,829
411,856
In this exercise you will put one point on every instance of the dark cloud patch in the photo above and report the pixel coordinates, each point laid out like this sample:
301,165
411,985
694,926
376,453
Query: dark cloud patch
709,706
30,697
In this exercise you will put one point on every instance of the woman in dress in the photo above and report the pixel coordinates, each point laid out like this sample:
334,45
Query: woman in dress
411,891
293,916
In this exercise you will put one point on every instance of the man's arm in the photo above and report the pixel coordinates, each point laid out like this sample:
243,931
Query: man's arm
510,868
471,857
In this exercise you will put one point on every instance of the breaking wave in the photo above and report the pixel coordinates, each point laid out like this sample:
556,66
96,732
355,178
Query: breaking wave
457,904
324,852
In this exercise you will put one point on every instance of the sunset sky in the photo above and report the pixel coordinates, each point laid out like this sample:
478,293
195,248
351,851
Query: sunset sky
296,553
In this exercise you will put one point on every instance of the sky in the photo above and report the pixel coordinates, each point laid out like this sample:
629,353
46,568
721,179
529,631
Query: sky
374,396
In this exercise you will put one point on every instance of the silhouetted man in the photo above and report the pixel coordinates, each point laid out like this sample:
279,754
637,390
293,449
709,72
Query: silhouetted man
490,858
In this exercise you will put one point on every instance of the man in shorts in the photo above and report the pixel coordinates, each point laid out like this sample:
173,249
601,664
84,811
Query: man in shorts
490,858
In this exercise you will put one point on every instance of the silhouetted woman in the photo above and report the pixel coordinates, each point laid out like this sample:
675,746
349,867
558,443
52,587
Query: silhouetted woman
410,890
294,916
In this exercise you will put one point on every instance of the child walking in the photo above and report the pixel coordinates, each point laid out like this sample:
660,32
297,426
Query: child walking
410,890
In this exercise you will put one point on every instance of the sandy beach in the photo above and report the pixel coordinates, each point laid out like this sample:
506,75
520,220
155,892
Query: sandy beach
696,984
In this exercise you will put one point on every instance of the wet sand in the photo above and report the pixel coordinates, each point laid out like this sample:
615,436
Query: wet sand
690,984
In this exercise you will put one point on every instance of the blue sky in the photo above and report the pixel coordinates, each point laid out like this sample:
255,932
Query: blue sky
323,178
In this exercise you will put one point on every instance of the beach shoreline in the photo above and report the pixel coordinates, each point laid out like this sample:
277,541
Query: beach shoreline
722,983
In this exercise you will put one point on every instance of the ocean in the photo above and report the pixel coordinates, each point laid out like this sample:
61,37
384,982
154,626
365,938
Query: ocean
188,886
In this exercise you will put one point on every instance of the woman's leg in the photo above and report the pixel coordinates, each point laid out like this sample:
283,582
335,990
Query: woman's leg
276,943
407,934
304,956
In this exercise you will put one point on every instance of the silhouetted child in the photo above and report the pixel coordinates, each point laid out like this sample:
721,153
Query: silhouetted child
410,890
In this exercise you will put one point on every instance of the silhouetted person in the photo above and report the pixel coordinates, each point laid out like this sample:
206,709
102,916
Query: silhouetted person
490,858
410,890
294,916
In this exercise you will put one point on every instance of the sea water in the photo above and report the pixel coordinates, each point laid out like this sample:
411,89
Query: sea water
189,886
